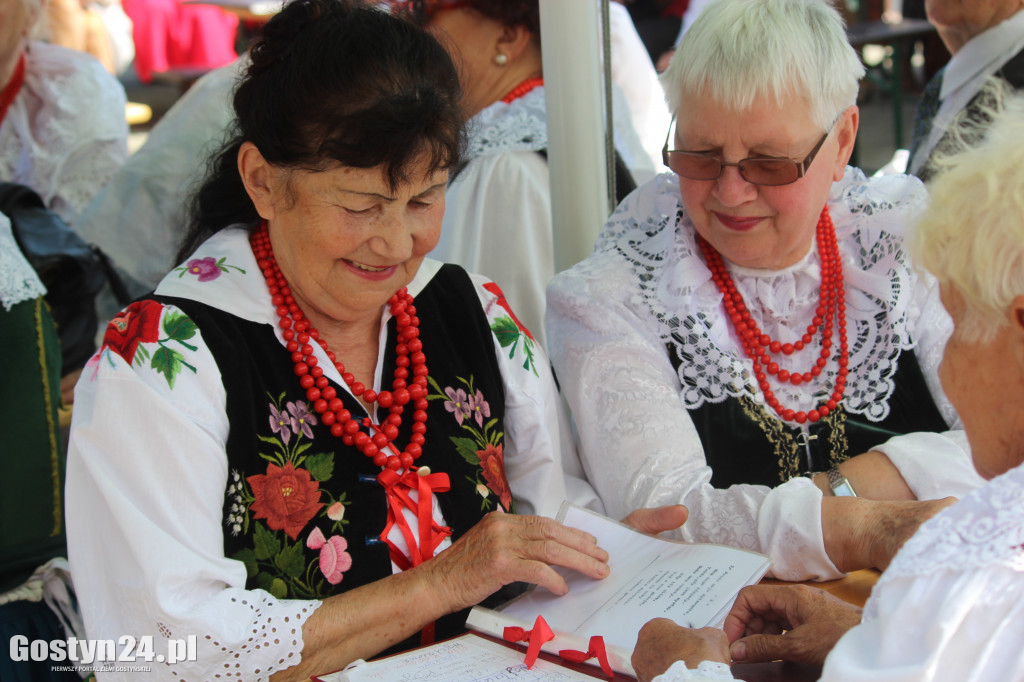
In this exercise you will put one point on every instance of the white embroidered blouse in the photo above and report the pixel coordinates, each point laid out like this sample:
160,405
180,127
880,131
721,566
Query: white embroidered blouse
646,285
147,471
65,134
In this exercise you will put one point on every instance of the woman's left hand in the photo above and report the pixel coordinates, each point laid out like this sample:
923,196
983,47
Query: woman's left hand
654,520
661,643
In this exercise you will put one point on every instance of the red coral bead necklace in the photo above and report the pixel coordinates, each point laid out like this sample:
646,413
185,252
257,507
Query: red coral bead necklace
523,88
760,347
408,387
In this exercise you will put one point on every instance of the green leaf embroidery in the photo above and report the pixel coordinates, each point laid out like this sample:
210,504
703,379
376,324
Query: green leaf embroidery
506,331
179,327
279,588
265,543
467,448
168,362
321,466
290,560
247,557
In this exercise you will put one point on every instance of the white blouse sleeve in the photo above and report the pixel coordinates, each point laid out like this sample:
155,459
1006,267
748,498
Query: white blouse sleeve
638,443
939,625
706,671
541,463
146,482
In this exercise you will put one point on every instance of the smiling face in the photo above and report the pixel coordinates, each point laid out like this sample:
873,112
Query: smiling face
345,240
751,225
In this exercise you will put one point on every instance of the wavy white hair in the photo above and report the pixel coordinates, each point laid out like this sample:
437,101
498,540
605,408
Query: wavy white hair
741,50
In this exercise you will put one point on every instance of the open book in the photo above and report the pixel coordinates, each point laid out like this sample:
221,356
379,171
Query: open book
694,585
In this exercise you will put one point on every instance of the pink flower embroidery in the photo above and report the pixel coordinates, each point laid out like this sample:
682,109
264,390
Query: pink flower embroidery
205,268
334,560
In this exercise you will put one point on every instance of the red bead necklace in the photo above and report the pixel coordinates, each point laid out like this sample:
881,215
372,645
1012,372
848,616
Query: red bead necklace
523,88
759,346
409,385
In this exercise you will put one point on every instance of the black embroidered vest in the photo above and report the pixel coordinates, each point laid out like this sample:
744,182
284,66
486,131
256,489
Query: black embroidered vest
303,511
746,443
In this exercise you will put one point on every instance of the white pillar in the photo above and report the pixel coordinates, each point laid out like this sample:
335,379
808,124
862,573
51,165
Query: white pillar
570,41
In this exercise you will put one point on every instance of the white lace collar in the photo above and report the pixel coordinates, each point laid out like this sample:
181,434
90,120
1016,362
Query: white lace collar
18,280
222,273
519,126
651,231
985,528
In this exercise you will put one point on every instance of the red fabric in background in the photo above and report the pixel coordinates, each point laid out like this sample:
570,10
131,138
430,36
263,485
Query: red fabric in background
171,35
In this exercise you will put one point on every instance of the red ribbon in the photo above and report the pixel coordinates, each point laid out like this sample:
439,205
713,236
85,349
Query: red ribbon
540,633
596,650
397,487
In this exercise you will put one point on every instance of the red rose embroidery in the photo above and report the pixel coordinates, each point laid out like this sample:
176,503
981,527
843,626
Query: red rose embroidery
286,497
138,323
496,290
492,463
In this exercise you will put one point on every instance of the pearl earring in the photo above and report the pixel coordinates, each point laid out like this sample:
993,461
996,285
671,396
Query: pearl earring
501,59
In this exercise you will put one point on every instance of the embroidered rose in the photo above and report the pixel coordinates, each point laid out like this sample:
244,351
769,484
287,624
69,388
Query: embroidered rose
492,463
301,418
280,421
496,290
138,323
334,560
204,268
286,497
457,403
336,512
479,408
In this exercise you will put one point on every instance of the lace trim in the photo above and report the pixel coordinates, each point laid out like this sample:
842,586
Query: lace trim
18,280
515,127
652,232
705,671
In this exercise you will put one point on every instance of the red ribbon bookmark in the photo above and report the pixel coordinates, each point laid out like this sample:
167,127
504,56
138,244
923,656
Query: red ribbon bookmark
596,650
540,633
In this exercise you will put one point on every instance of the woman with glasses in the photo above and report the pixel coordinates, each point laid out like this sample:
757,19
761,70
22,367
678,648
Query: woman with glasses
753,317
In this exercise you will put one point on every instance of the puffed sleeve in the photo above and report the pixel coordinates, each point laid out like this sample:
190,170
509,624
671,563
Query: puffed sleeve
541,463
147,473
638,444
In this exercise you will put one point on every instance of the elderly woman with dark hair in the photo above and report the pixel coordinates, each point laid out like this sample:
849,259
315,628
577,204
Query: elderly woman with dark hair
290,449
951,604
498,221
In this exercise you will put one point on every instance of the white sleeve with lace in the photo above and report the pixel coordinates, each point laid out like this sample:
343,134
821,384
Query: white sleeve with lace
637,441
706,671
145,493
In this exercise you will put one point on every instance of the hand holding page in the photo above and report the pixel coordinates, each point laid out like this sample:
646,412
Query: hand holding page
651,577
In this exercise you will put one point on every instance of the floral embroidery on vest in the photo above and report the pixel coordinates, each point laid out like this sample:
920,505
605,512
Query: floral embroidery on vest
485,443
280,503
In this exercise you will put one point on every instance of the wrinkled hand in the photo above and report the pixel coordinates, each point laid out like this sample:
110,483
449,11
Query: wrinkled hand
654,520
787,622
506,548
861,533
661,643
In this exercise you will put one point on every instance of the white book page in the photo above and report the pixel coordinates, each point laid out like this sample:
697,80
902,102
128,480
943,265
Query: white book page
694,585
468,658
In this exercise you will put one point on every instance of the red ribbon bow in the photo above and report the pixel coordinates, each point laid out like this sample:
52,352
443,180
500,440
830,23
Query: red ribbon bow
540,633
596,650
397,487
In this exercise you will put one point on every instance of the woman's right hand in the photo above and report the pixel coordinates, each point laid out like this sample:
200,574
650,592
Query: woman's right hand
506,548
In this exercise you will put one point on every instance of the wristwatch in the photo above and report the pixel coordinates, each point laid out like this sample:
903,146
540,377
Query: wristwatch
840,485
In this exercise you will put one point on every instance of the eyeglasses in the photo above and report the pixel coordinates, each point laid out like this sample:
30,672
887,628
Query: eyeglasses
768,171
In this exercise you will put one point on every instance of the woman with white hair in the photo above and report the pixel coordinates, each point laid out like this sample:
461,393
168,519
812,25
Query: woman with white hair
753,316
951,604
